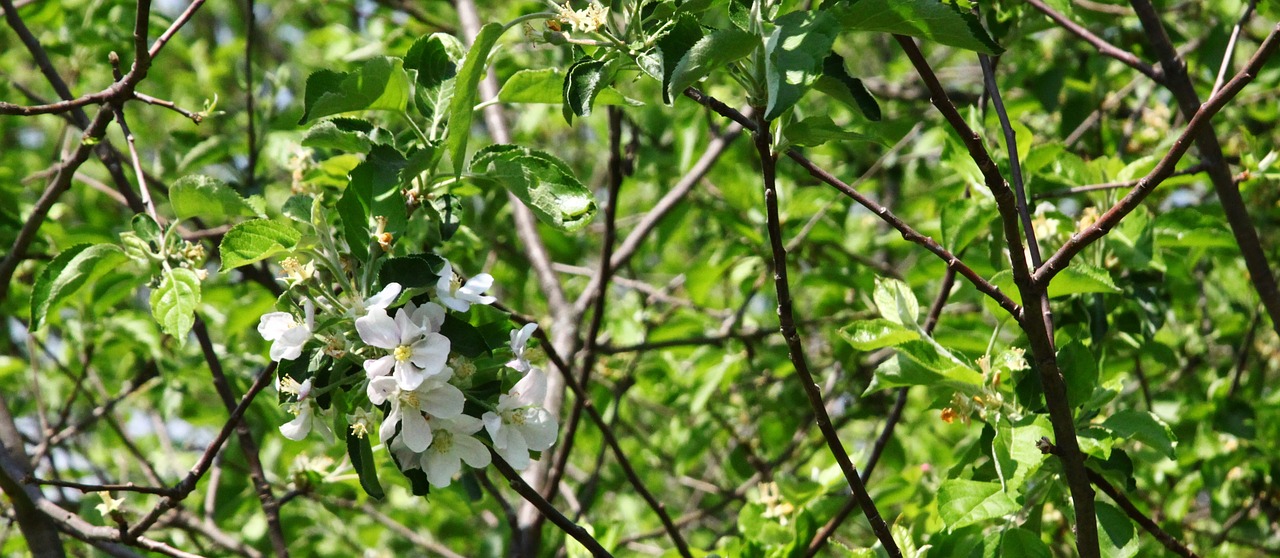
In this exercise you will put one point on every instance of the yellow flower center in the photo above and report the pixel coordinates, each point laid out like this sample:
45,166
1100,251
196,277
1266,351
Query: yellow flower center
515,417
403,353
455,283
409,399
442,441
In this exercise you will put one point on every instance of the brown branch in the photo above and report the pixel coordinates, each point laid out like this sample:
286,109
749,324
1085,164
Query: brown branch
545,508
786,318
1169,541
908,233
1193,169
1106,49
1233,205
188,483
1038,319
890,423
1164,168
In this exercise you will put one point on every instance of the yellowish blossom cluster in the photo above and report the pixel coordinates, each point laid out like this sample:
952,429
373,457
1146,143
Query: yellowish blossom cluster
586,20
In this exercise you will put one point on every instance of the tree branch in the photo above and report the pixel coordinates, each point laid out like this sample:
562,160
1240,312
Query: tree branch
768,164
1106,49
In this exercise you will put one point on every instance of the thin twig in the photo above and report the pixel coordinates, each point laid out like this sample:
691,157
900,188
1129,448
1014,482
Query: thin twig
1107,49
1206,140
1169,541
1038,319
533,497
1164,168
908,233
1015,165
795,346
1193,169
890,423
1231,47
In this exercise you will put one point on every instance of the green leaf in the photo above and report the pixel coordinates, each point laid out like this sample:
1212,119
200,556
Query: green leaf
1116,536
429,61
415,271
896,302
362,461
1190,227
298,208
584,81
67,273
841,86
709,53
374,191
207,198
1015,451
379,84
934,20
462,106
173,303
1080,370
964,502
348,135
907,369
683,34
256,240
963,221
820,129
464,338
546,86
1078,278
542,181
1023,543
869,335
1143,427
148,230
793,57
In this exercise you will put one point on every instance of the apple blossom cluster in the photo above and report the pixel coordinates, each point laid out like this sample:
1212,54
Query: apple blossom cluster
433,415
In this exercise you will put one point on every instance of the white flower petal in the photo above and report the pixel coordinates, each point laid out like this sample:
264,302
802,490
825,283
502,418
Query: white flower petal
516,453
378,367
441,467
378,329
381,389
431,354
384,297
409,332
441,400
532,388
415,430
273,324
408,376
298,428
472,451
429,316
493,424
539,429
474,290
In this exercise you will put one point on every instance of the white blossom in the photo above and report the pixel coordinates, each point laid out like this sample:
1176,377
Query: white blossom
413,410
286,333
458,296
453,444
519,423
413,354
307,419
379,301
519,339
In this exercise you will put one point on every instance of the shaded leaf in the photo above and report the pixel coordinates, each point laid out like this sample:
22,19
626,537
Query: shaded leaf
584,81
896,302
793,57
546,86
72,269
366,467
711,52
1080,370
207,198
841,86
682,36
1143,427
933,20
869,335
817,130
